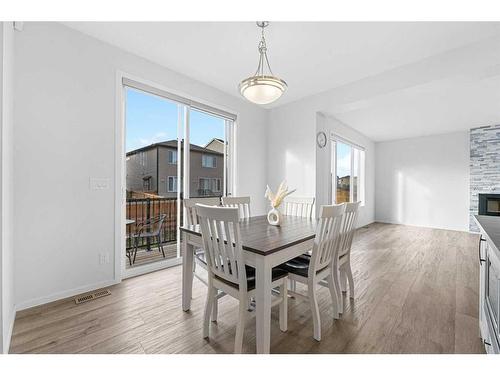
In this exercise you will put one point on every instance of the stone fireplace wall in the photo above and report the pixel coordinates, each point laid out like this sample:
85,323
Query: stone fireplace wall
484,165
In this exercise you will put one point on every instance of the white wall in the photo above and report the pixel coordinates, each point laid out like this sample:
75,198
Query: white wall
424,181
329,124
7,305
65,123
292,150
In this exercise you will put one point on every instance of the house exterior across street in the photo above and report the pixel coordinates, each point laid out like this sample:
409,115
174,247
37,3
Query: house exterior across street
153,169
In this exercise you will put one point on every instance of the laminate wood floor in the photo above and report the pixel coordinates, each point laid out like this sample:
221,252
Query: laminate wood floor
416,292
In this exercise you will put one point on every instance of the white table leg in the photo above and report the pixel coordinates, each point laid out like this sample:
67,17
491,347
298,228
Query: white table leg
187,274
263,304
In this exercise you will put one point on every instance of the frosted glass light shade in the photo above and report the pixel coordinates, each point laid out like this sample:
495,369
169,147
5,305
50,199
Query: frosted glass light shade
262,89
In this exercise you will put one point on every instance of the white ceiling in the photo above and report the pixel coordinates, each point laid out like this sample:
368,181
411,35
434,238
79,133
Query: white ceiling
426,81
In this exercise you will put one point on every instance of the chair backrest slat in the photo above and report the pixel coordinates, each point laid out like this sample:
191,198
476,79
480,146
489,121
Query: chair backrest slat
300,207
326,242
242,203
191,217
220,231
348,227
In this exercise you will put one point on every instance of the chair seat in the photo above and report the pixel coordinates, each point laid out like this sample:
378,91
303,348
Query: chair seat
277,273
299,265
146,235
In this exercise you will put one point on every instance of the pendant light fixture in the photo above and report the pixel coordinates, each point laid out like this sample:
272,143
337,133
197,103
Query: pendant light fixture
262,87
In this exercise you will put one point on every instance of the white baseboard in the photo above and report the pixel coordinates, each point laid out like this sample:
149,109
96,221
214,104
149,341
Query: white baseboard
419,226
64,294
359,225
8,338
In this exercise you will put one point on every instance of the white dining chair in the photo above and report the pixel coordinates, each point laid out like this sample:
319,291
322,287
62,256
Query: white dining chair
298,206
191,218
220,229
243,204
347,230
312,269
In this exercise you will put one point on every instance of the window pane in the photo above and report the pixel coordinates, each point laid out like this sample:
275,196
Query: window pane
172,157
343,160
206,134
151,142
355,175
172,184
151,124
209,161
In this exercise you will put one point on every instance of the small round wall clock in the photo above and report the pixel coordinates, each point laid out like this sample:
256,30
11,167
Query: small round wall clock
321,139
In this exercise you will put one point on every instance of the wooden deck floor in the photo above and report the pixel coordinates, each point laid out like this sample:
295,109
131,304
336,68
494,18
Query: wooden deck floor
153,256
416,292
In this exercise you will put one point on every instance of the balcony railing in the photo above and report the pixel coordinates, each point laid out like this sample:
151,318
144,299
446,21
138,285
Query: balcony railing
142,209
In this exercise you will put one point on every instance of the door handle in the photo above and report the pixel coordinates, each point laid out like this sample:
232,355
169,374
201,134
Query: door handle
481,260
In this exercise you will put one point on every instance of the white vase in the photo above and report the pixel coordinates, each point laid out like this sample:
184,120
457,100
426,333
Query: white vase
274,217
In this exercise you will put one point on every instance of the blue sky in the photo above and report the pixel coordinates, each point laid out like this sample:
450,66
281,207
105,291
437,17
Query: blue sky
151,119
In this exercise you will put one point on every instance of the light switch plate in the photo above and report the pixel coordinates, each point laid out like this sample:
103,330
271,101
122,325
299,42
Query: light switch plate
99,183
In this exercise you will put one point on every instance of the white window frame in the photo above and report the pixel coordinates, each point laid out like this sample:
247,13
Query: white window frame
204,157
361,168
174,160
174,183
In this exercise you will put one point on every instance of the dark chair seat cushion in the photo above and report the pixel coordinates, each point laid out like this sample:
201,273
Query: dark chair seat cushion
277,274
298,266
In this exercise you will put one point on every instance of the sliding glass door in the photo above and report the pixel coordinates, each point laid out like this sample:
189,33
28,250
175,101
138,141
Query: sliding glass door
151,178
161,170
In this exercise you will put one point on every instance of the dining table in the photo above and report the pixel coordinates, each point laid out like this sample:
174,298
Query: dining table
264,246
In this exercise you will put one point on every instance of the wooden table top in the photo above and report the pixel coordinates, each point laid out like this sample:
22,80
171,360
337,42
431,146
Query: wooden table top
258,236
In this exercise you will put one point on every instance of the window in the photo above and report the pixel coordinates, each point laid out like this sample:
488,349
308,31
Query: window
208,161
204,187
146,183
204,183
172,184
172,157
143,158
209,186
348,165
216,185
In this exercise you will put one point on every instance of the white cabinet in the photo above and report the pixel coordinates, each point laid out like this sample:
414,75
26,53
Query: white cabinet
483,327
489,294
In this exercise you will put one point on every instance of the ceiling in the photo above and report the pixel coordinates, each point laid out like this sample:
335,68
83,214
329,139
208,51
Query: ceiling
423,72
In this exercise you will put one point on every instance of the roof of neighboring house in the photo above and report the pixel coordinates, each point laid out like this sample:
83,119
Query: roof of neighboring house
215,140
173,144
